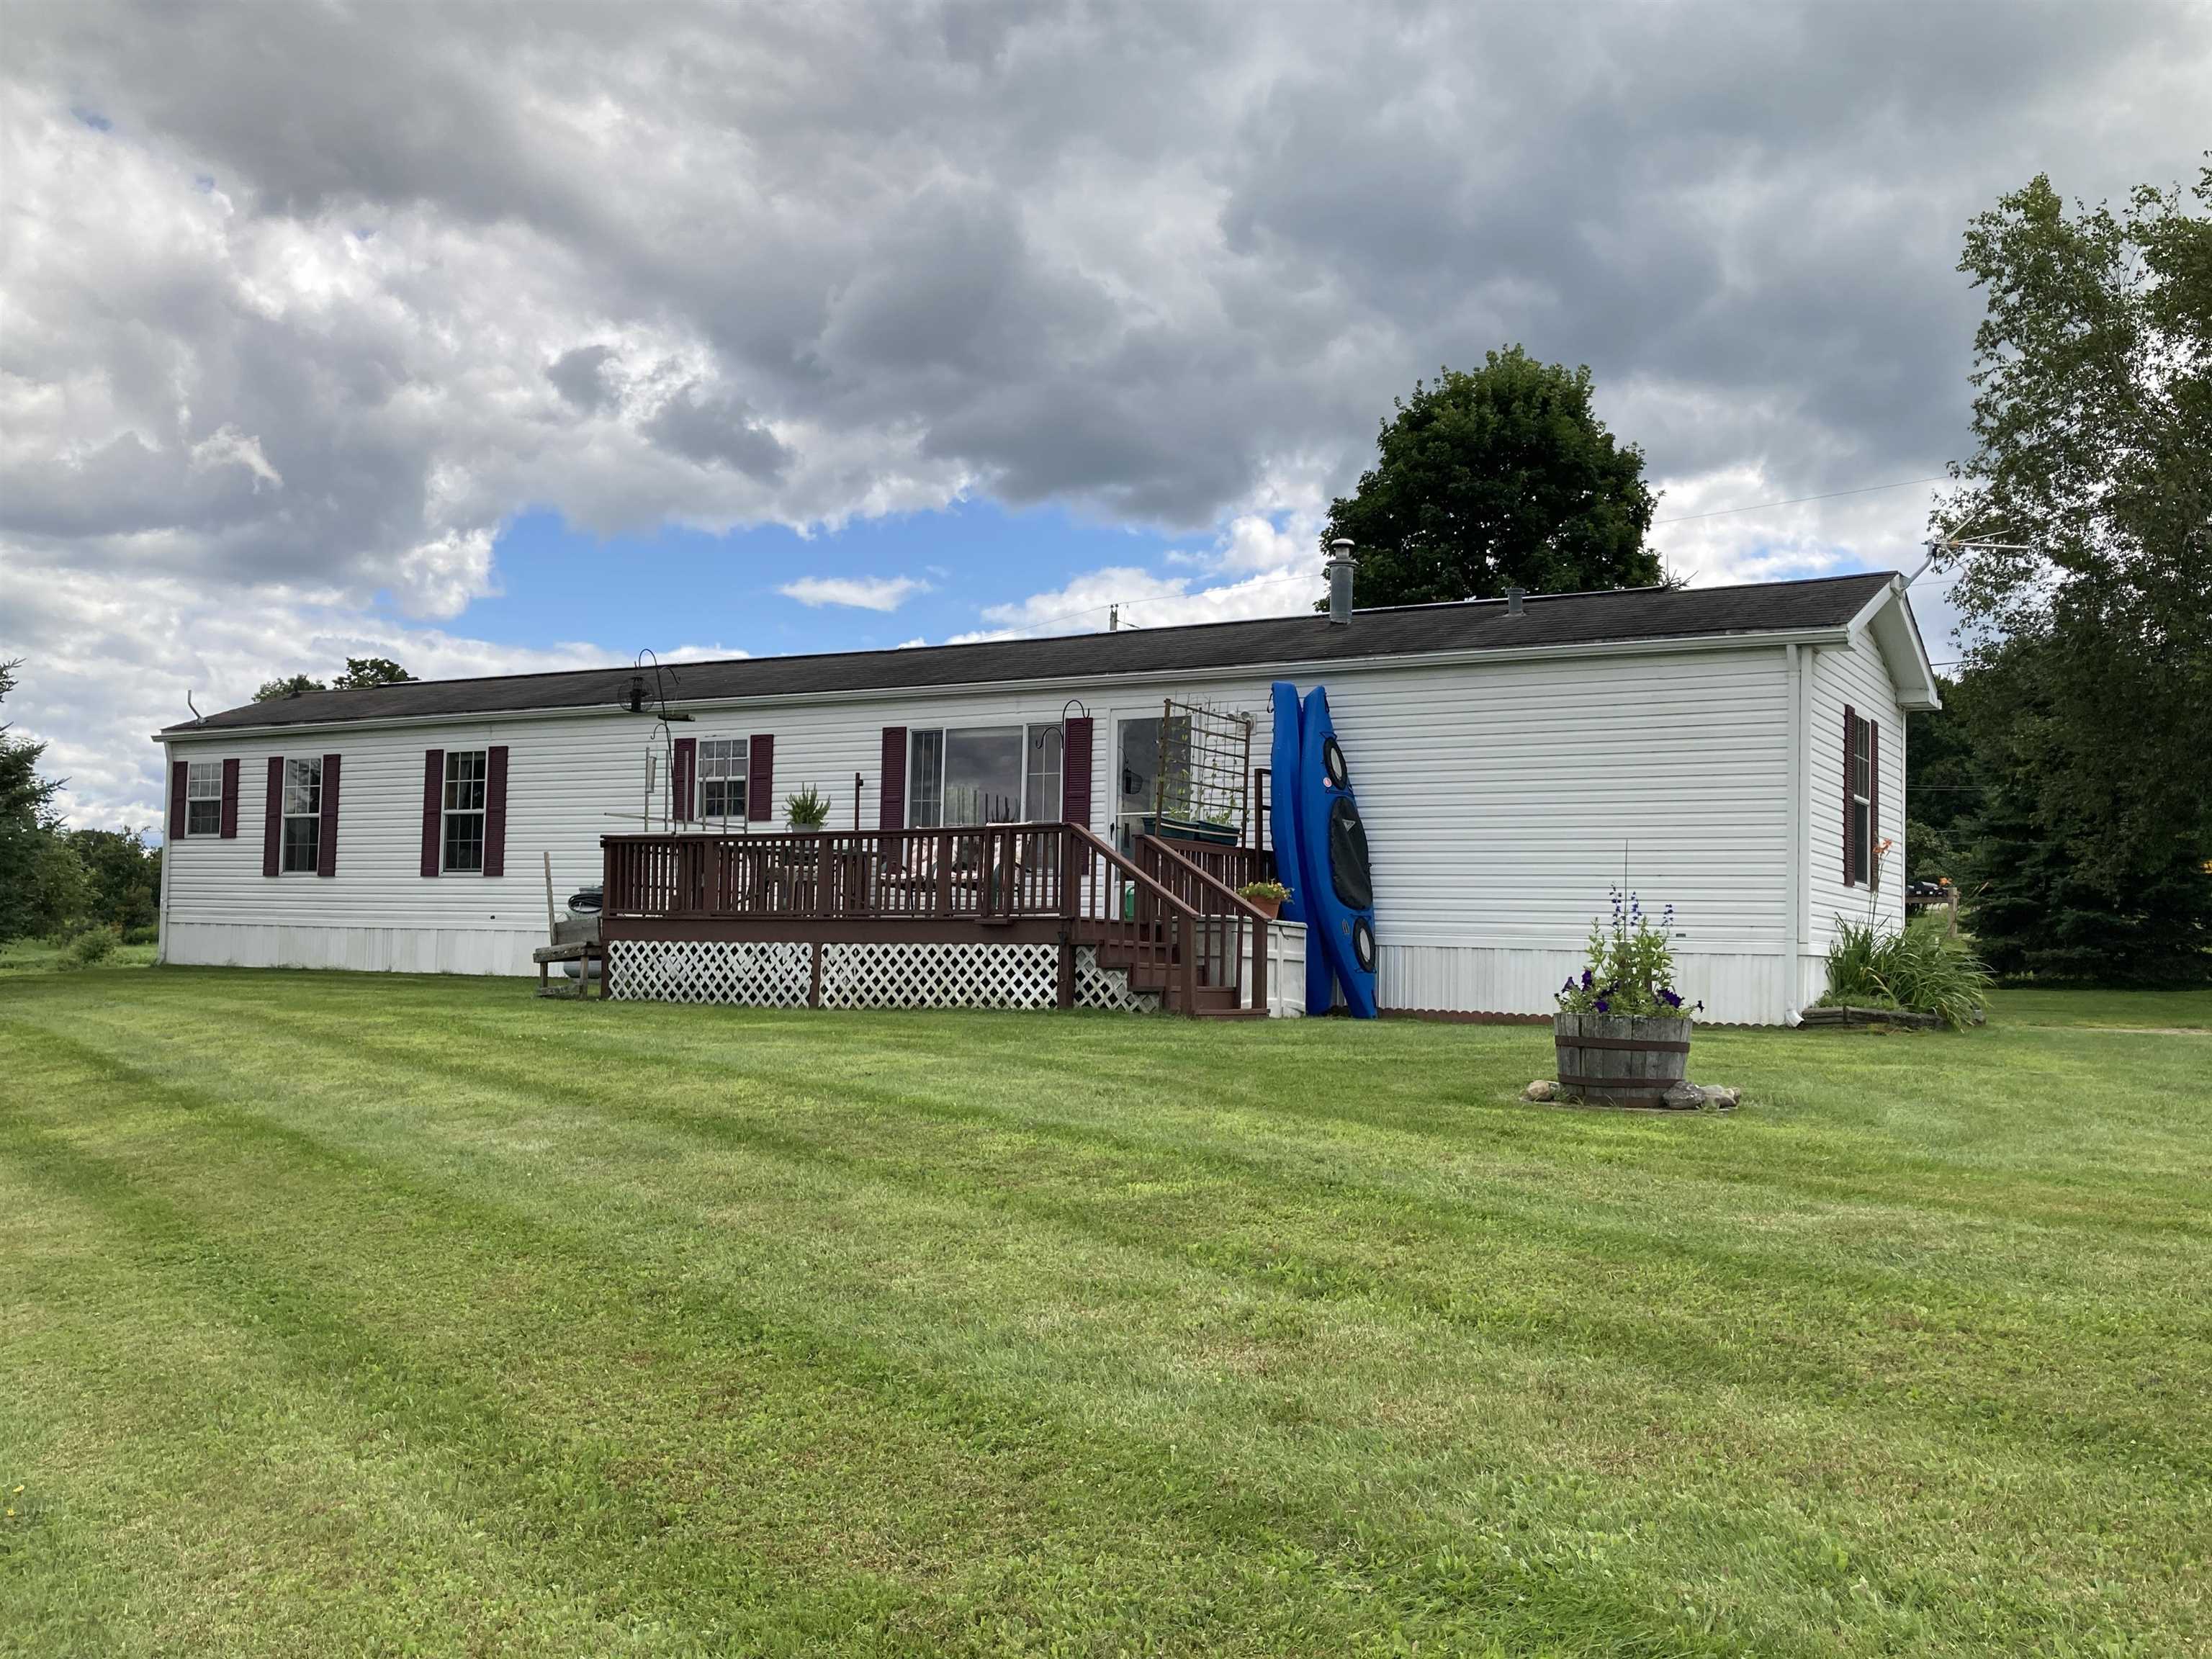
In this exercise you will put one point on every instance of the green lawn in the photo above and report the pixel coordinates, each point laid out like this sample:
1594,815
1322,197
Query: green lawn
351,1314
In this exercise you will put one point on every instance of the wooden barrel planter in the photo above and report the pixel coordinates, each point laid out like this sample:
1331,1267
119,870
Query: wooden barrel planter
1614,1059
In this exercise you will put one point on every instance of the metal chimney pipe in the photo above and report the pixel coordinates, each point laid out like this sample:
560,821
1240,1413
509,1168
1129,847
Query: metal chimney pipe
1513,597
1340,568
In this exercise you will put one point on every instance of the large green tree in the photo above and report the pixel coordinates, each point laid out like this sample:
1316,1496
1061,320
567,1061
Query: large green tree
1501,477
2082,535
28,867
369,670
358,672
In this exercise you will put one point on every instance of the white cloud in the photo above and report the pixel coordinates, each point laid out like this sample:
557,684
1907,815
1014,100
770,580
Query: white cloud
1146,600
861,592
304,307
110,659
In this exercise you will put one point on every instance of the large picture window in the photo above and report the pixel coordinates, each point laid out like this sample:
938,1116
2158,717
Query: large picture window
464,811
983,774
721,779
303,816
203,799
1865,869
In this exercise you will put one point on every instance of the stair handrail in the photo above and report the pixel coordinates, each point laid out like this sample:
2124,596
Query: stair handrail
1249,912
1100,847
1081,839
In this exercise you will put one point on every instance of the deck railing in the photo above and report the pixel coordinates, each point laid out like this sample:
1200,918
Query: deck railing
1172,924
979,872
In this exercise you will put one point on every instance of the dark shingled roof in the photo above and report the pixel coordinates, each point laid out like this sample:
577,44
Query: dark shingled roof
1562,619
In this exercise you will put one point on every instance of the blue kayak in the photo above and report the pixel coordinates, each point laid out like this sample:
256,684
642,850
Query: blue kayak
1284,759
1339,898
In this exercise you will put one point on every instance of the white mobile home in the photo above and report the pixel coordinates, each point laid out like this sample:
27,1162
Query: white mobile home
1739,751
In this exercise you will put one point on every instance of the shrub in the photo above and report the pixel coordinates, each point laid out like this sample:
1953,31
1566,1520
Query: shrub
92,945
1923,968
150,934
1632,967
807,810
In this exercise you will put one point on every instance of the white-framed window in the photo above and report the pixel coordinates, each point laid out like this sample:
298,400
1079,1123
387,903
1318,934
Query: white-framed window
721,788
203,798
982,775
1865,869
464,826
303,816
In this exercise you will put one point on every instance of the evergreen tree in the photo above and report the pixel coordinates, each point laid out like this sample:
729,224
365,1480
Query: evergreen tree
2082,537
2036,902
28,825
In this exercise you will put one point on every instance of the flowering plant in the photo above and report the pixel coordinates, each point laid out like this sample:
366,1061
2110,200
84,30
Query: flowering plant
1264,890
1632,967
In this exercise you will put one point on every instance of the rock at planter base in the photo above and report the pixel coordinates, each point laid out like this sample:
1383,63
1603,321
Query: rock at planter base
1542,1089
1720,1097
1683,1098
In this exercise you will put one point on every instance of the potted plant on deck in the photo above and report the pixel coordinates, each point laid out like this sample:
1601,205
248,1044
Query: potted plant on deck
1622,1030
1264,896
807,810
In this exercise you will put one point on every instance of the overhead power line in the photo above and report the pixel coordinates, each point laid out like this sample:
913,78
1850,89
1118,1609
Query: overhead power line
1799,500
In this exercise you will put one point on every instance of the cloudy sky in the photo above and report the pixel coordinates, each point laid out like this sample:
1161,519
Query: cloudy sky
492,339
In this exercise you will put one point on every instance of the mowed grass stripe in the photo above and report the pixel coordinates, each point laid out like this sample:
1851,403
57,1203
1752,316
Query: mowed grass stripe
1364,1439
1563,1298
395,1375
267,1514
1678,1424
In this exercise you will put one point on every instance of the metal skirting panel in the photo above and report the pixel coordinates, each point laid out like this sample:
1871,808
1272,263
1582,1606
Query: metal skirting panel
358,950
1738,988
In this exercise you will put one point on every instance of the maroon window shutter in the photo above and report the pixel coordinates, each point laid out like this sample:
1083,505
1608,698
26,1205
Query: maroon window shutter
1873,804
1075,769
178,770
760,778
891,795
327,837
434,809
1851,720
682,770
272,826
495,862
230,800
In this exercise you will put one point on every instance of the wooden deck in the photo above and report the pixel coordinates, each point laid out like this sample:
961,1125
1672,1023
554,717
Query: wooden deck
1168,921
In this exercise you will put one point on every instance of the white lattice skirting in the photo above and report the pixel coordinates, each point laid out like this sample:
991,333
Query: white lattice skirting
919,976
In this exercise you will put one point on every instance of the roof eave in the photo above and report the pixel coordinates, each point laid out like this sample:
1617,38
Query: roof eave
1272,670
1888,620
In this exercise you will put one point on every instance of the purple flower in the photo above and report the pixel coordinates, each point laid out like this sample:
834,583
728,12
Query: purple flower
1603,1006
1588,980
1671,999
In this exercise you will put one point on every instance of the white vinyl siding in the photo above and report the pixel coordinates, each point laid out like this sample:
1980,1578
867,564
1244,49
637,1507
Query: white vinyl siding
1851,676
1501,799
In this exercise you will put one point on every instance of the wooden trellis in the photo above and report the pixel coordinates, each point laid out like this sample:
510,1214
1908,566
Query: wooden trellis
1205,787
